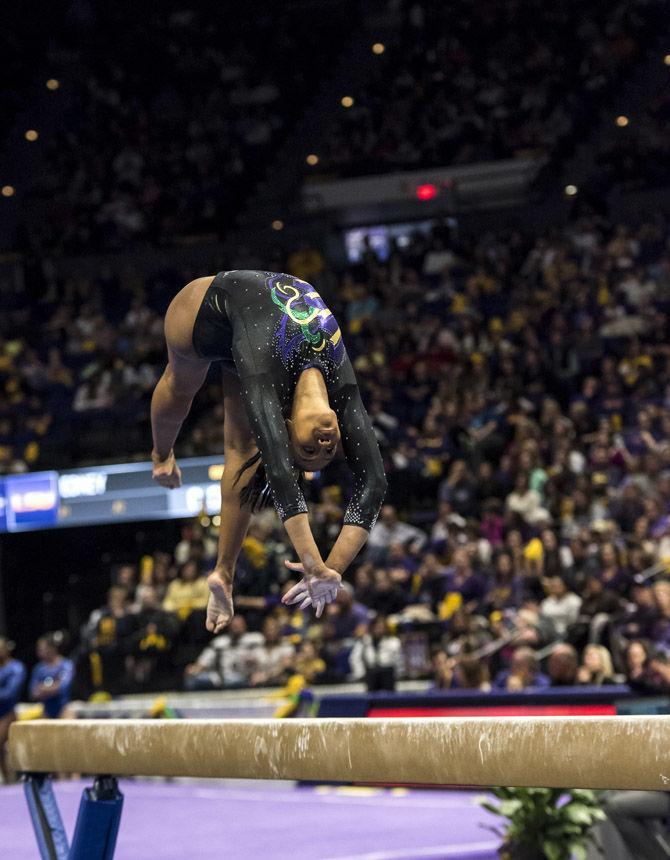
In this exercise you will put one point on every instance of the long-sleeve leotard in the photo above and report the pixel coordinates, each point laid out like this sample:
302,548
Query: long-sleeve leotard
280,327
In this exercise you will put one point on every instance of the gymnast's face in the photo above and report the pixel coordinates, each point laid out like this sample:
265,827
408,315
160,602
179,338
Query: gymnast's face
314,439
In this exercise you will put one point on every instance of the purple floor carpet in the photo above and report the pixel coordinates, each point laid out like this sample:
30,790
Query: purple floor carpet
167,821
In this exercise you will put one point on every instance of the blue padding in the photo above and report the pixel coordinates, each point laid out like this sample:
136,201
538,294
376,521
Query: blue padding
97,822
48,825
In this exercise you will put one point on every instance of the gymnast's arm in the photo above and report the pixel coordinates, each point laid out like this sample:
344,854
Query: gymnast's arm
364,460
268,427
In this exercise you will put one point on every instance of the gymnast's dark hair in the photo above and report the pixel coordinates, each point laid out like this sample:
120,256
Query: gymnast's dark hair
257,493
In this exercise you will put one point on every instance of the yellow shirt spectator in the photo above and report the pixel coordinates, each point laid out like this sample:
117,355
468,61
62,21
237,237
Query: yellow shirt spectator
186,593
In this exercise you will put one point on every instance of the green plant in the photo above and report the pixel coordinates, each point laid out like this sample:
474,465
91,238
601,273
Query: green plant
545,822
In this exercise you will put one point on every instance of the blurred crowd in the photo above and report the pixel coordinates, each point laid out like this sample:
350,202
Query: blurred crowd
637,155
519,386
487,81
162,137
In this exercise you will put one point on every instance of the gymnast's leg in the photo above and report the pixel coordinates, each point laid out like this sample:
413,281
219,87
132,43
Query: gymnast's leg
183,376
238,447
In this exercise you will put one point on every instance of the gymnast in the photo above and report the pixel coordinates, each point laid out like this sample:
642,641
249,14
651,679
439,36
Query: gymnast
290,403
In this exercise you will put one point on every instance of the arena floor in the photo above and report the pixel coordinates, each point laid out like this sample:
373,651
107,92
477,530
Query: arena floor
245,821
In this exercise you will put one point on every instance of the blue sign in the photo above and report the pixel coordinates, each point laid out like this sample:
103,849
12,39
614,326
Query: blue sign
31,500
3,506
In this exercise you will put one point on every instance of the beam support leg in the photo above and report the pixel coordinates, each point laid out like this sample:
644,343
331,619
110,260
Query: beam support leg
45,815
98,821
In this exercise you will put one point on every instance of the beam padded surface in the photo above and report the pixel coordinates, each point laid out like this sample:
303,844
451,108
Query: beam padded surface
561,752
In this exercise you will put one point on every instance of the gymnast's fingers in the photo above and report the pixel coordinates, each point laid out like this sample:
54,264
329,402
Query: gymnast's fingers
294,565
294,592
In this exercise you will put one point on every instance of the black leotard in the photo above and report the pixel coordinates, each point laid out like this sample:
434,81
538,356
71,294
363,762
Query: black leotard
272,327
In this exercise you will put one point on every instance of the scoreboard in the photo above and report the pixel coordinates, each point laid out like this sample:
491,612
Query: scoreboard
97,495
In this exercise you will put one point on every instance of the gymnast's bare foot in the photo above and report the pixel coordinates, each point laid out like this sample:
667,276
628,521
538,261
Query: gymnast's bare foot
220,606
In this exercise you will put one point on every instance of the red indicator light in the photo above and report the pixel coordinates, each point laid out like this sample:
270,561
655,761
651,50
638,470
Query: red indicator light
426,192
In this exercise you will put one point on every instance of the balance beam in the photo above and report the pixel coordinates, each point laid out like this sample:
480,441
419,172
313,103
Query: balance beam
553,752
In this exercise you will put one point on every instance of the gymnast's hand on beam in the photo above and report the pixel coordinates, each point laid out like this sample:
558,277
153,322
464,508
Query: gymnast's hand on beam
315,590
166,472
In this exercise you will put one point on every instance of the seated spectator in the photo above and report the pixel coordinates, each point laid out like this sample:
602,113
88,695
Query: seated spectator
387,598
106,636
429,586
504,591
51,678
524,503
348,617
228,662
462,579
274,660
191,535
187,592
596,668
152,641
562,666
125,577
560,606
660,631
443,670
471,673
459,490
12,679
389,529
364,586
523,672
109,624
636,663
309,663
658,672
376,657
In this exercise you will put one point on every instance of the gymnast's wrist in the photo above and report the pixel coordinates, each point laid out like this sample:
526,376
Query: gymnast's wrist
334,564
157,458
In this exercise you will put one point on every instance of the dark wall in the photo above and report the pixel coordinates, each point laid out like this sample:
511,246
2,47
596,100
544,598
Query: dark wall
53,579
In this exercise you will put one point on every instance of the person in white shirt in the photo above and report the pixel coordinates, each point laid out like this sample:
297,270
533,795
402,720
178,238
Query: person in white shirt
389,529
376,657
560,606
274,659
228,661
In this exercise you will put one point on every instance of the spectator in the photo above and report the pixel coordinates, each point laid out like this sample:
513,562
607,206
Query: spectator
471,673
562,666
51,678
596,668
387,598
523,673
12,679
106,637
443,670
309,663
229,661
560,606
376,657
274,660
347,617
152,642
187,592
389,529
636,663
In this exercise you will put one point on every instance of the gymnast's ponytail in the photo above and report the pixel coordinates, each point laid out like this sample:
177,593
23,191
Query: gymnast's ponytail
257,494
